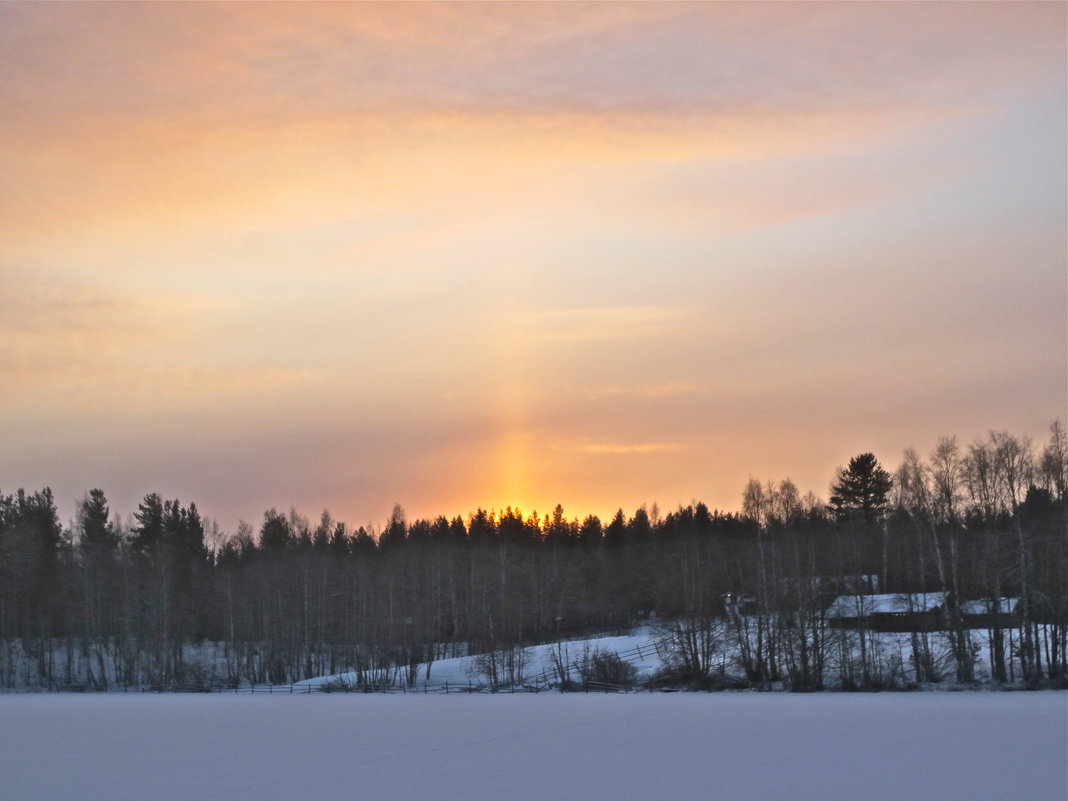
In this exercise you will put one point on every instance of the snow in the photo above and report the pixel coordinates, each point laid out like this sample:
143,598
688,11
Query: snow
964,746
888,650
638,648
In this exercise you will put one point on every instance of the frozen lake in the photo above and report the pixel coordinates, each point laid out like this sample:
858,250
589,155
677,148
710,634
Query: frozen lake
740,746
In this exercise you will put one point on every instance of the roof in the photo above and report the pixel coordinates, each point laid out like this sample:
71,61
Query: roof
892,603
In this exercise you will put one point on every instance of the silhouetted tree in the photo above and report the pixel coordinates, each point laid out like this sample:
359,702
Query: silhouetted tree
861,489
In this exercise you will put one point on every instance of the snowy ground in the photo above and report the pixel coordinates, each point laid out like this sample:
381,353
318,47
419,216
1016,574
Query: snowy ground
638,648
945,746
889,653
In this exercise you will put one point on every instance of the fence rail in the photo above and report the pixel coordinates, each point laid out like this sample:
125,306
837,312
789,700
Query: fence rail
551,677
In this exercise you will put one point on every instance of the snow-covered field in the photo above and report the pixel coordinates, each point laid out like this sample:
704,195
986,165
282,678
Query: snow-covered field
944,746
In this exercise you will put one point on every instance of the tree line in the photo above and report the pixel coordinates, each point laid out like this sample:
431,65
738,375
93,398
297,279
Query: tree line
103,603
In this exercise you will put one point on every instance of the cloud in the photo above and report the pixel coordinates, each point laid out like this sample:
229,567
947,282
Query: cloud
619,448
71,344
667,389
157,122
45,315
242,58
514,246
594,324
166,177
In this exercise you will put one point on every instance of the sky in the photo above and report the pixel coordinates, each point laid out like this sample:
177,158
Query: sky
345,256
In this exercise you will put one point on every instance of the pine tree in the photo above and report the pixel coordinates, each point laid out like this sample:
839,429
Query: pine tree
861,489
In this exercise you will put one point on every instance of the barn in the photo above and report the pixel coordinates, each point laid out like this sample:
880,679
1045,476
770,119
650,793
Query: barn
990,613
920,611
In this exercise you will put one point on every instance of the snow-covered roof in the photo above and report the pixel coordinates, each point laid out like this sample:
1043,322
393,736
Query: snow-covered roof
891,603
986,606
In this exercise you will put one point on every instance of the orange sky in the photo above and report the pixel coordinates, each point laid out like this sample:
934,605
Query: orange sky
448,255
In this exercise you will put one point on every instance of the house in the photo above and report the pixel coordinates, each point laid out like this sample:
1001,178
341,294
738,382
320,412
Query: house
921,611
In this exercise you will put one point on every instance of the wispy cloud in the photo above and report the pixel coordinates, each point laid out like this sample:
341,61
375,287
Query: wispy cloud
593,324
619,448
44,313
667,389
170,175
245,58
69,343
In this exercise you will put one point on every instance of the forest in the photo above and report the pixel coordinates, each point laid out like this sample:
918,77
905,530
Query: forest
105,604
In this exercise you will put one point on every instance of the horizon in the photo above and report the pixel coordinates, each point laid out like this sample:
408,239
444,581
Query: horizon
125,518
459,256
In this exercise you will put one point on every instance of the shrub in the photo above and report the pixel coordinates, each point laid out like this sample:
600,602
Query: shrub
338,684
603,669
502,667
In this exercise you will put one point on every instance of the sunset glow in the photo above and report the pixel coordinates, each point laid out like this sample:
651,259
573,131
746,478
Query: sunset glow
453,255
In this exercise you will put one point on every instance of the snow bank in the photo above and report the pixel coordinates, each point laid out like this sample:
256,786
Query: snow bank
766,747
